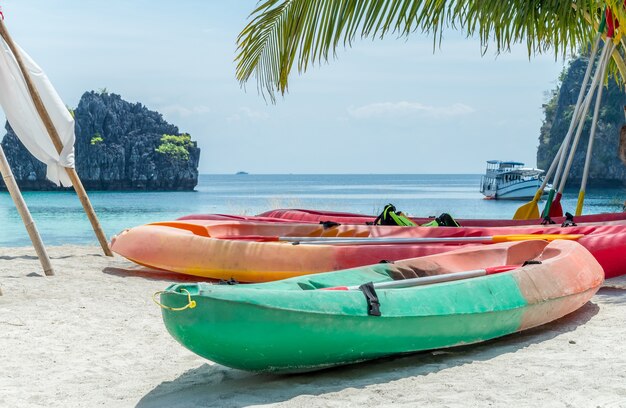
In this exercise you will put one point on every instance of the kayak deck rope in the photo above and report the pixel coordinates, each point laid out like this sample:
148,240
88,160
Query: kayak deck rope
190,302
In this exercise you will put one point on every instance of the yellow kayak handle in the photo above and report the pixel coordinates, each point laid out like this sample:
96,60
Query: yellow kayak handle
190,302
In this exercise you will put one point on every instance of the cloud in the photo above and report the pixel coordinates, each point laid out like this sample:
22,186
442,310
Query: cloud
183,111
405,109
246,113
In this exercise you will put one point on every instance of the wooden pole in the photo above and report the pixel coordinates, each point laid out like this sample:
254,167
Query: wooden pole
56,140
622,141
14,191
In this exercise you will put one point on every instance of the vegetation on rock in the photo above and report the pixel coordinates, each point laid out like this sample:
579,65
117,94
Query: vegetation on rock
96,139
176,147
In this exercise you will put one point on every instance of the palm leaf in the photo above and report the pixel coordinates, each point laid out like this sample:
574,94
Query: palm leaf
283,32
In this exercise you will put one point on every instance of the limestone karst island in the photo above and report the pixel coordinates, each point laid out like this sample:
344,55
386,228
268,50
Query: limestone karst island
119,146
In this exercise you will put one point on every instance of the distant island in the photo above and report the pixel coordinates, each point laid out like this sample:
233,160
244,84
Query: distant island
119,146
239,173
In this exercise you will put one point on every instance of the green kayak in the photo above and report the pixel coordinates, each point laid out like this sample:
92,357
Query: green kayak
298,325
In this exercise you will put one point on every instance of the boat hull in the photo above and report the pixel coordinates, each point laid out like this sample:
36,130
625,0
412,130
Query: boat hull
522,190
293,326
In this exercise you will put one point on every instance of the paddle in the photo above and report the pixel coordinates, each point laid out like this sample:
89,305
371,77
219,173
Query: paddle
576,117
395,241
556,209
429,280
531,210
592,135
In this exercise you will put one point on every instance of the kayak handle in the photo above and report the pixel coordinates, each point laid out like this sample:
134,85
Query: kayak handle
190,302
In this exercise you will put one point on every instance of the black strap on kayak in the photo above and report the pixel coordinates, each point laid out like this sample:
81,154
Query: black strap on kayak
531,262
446,220
373,305
569,220
329,224
547,220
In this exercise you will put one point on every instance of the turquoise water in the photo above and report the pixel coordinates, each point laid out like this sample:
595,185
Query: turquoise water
60,218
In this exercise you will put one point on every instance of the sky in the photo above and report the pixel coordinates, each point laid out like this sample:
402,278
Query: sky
390,106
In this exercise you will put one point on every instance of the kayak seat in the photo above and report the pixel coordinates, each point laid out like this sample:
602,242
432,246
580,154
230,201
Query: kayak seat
515,253
409,271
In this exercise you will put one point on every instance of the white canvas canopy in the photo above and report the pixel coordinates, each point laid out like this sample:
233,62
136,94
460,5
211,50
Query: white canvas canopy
44,125
26,121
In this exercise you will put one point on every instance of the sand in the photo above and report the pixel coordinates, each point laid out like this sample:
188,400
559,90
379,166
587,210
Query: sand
91,336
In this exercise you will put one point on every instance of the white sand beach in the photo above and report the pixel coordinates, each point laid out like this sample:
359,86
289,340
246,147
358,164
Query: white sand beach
91,336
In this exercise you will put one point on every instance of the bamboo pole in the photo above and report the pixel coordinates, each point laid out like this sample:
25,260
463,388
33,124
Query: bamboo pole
56,140
582,101
603,64
592,135
22,209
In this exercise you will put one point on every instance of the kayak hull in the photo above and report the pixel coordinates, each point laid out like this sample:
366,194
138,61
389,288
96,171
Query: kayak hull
198,247
292,326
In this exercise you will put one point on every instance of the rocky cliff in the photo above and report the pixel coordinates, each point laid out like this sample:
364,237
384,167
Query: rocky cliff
119,146
606,167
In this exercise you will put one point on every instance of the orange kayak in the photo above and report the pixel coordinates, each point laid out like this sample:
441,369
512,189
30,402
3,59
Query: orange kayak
225,249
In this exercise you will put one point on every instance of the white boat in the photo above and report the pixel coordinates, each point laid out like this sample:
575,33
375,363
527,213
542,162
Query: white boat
509,180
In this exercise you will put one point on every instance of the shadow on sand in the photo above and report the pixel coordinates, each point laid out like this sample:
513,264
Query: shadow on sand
11,258
216,385
612,294
35,258
153,274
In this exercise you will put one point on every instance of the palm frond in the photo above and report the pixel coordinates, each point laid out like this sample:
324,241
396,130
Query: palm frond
283,32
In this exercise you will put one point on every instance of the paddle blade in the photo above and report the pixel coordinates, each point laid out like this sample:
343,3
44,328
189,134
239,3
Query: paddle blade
527,211
580,203
525,237
546,209
555,209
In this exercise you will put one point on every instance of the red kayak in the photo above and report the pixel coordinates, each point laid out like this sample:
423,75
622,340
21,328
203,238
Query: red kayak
298,215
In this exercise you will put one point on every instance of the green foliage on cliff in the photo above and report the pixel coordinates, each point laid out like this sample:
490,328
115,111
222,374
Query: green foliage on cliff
96,139
175,147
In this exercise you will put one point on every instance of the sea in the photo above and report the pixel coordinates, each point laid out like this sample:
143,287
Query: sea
60,219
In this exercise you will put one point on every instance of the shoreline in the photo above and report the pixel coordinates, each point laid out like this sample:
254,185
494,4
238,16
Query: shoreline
91,335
